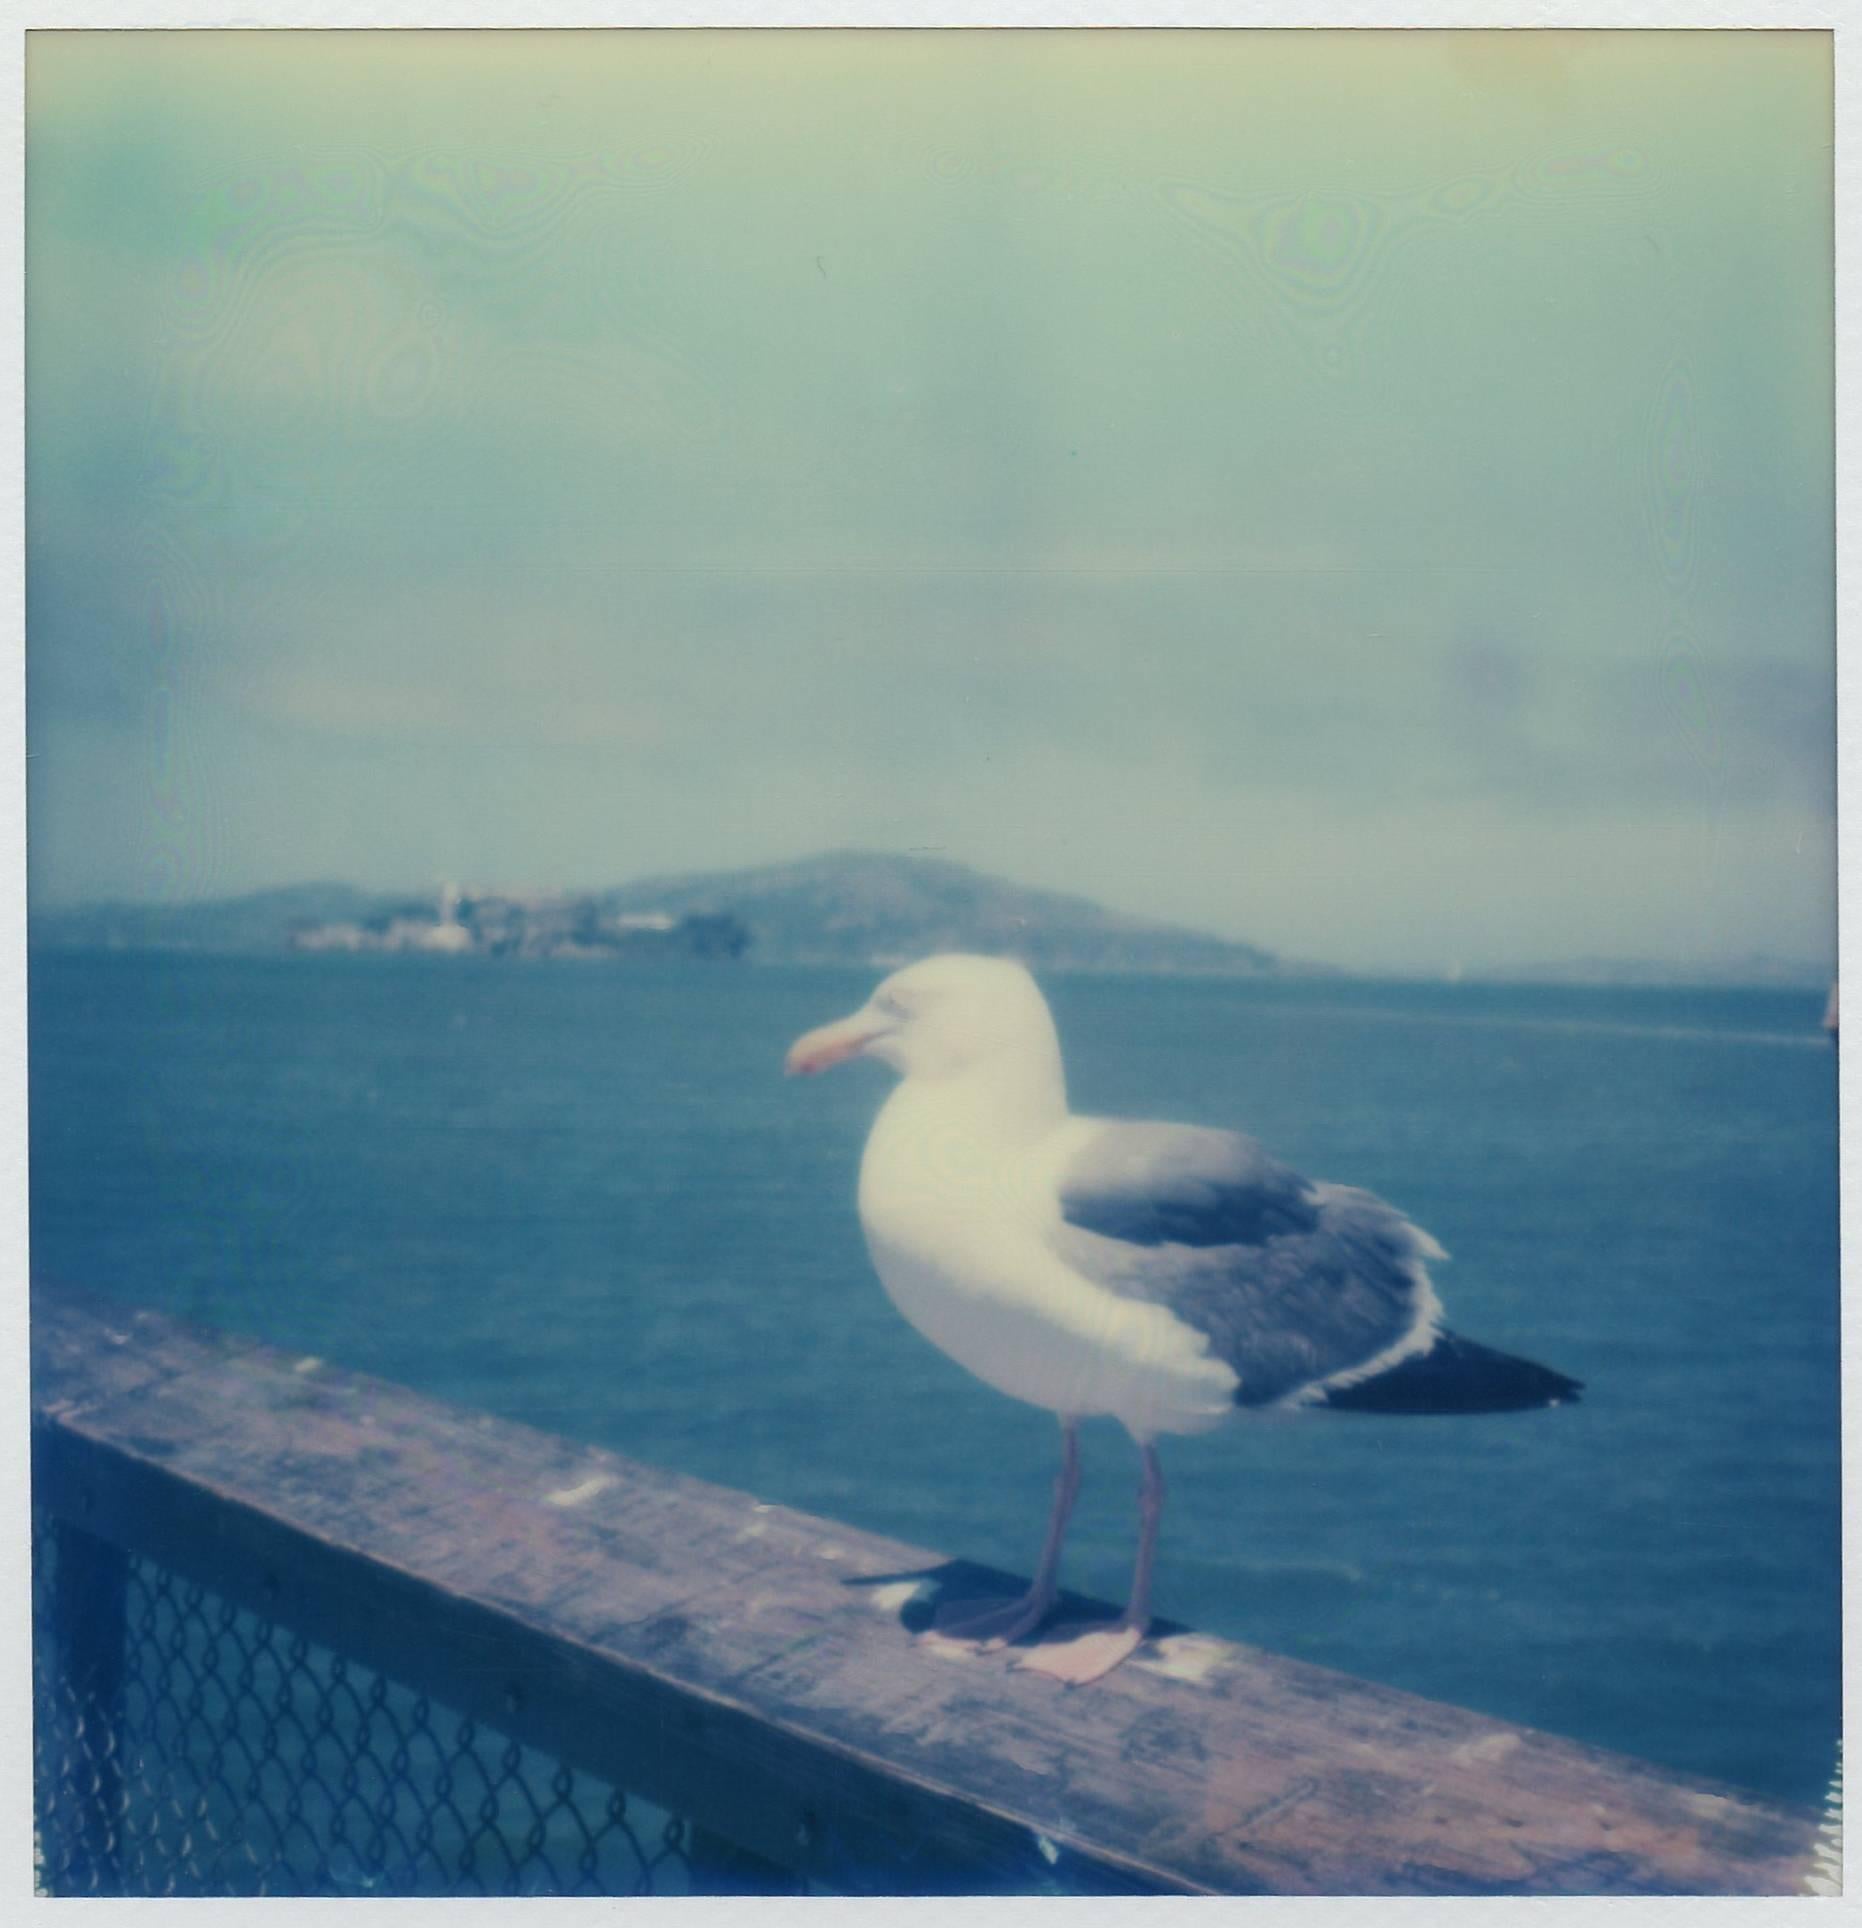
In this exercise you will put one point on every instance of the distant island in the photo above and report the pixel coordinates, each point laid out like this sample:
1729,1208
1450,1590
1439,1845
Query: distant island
536,924
864,909
847,907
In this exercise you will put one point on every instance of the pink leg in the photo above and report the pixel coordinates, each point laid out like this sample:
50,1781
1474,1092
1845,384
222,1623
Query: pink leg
991,1624
1150,1514
1093,1654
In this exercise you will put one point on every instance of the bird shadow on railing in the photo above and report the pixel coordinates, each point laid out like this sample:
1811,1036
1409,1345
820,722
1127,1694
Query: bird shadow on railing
925,1591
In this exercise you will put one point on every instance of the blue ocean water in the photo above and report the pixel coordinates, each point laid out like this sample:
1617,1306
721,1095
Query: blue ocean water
584,1197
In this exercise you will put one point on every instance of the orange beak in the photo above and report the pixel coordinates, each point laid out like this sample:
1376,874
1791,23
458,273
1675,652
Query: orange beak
833,1044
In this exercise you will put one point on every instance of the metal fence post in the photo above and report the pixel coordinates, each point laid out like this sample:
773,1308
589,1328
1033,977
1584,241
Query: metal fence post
89,1621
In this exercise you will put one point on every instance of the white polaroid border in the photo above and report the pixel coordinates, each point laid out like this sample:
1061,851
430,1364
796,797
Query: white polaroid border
1845,23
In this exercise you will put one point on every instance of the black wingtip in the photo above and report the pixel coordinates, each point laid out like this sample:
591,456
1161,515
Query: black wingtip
1457,1376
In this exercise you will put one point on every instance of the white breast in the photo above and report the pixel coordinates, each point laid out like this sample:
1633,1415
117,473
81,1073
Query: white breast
958,1225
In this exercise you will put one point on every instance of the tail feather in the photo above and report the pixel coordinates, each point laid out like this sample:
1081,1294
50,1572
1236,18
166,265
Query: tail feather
1456,1376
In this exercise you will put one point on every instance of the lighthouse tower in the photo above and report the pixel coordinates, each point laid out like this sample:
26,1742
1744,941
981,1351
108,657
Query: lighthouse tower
448,934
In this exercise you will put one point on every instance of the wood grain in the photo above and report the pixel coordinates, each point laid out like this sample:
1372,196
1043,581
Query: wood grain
755,1668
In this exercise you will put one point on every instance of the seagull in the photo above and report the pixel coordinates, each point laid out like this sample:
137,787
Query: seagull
1167,1276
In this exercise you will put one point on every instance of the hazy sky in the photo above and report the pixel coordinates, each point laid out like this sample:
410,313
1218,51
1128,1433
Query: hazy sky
1369,494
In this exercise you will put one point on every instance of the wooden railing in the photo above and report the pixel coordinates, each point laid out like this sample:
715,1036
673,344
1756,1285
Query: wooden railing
754,1670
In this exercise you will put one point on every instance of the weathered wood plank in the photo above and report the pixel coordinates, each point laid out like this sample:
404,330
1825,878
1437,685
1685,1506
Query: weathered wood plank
754,1668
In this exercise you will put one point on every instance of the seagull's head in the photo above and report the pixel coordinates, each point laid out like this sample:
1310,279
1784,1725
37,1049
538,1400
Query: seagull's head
940,1018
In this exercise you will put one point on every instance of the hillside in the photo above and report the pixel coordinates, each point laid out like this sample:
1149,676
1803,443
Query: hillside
850,907
864,907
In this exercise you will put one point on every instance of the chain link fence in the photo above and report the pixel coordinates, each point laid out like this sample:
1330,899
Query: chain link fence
231,1756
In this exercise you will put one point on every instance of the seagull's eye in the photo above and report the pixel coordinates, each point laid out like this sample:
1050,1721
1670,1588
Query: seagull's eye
892,1004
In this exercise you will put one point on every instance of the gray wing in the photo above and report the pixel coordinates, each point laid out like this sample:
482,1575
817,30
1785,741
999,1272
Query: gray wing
1294,1283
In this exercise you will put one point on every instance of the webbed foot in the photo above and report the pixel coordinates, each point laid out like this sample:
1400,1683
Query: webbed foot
989,1624
1087,1657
